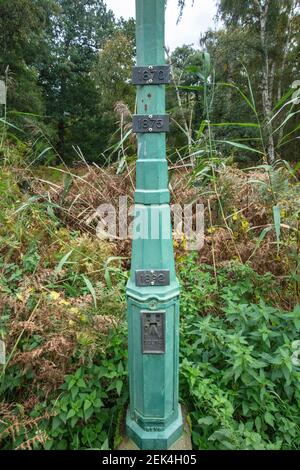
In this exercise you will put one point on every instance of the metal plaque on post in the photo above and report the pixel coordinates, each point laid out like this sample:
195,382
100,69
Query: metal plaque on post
151,124
153,332
151,75
144,278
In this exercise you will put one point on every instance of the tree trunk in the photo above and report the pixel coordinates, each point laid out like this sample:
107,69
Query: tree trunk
267,81
187,129
291,14
61,122
198,113
61,138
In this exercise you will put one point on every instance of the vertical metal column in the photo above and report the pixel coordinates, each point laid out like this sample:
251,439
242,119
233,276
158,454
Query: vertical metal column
154,418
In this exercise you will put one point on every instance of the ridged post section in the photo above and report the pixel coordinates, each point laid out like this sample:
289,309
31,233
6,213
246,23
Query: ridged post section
154,418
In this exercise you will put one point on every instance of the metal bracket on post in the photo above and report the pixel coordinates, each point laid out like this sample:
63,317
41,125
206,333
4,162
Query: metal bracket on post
158,277
151,75
150,124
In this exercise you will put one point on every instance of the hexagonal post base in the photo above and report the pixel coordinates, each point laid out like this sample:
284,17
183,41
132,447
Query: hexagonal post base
154,440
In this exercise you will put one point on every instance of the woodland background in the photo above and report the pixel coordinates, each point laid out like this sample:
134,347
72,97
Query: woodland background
66,146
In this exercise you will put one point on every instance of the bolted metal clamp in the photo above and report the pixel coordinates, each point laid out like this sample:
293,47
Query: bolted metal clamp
152,123
153,277
151,75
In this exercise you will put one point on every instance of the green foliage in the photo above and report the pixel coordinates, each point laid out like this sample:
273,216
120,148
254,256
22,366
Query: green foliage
22,42
74,35
237,371
9,192
202,294
63,293
49,55
237,343
249,42
85,413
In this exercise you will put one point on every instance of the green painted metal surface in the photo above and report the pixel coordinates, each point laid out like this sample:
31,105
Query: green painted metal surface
154,418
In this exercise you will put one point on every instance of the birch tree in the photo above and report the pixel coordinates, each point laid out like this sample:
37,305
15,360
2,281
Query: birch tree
276,24
273,21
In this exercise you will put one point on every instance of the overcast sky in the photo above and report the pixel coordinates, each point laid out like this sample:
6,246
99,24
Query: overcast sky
196,20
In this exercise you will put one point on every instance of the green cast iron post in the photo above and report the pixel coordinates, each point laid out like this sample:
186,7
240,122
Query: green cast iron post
154,419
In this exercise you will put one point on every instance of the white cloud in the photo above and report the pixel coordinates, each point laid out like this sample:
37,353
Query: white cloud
195,20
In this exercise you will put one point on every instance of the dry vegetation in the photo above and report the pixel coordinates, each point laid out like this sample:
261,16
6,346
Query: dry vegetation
62,288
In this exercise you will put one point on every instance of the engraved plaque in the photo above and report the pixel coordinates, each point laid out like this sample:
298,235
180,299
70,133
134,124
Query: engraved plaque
150,124
151,75
153,332
152,278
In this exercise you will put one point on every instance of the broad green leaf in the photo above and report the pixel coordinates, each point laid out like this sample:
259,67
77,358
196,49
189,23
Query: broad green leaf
202,127
30,201
283,99
269,419
258,423
63,262
291,102
105,445
74,392
107,269
277,224
46,150
11,125
90,287
70,414
56,423
246,99
98,403
88,413
81,383
119,386
240,146
206,64
207,420
236,124
87,405
285,121
71,383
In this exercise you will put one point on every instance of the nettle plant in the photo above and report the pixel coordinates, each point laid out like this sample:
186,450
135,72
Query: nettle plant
238,368
87,412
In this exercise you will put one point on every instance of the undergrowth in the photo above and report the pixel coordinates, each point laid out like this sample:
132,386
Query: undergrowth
62,300
239,372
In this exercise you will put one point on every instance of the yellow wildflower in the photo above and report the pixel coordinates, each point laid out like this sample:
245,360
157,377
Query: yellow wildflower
74,310
245,225
54,295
